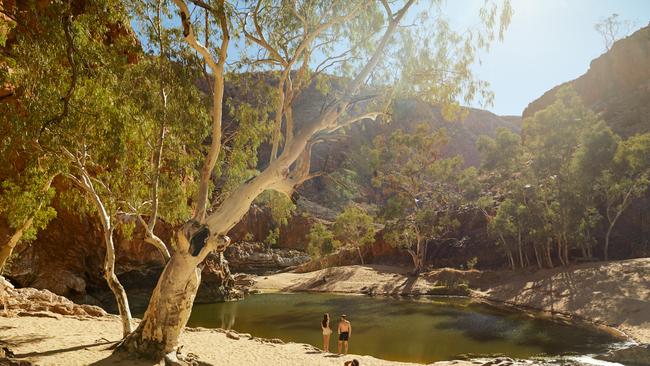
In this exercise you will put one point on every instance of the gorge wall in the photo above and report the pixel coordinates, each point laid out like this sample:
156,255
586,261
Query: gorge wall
617,85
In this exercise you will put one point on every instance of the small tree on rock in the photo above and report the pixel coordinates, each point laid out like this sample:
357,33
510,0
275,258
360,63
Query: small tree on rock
320,241
354,227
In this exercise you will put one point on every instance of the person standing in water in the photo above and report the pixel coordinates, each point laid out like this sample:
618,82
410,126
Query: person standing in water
345,331
325,325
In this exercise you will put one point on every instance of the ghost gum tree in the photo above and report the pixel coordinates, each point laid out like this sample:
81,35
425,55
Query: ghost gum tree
283,36
142,142
626,181
502,156
127,136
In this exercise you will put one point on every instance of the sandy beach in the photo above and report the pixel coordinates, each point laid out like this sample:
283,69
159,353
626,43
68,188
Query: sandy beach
69,340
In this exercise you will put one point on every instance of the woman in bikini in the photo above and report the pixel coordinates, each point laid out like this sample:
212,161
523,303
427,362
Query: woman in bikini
325,325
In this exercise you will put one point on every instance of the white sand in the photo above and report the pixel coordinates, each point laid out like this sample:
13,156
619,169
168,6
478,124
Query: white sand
76,341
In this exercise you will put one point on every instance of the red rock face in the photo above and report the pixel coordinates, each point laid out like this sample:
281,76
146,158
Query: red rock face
244,257
67,258
257,224
617,85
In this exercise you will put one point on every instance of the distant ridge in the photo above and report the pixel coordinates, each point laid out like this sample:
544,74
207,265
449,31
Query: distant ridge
617,85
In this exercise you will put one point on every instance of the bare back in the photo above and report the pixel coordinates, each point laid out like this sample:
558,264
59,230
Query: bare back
344,326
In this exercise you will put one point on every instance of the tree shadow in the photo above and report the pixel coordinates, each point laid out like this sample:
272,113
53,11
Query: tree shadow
326,280
120,358
18,340
61,350
590,290
117,358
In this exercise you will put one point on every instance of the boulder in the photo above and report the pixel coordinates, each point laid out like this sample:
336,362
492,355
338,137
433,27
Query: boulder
255,258
232,335
217,283
60,281
636,355
31,301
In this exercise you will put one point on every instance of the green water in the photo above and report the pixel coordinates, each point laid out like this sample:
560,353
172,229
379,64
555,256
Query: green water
401,330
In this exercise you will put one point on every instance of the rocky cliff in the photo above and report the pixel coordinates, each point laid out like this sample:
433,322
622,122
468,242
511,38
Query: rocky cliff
316,201
617,85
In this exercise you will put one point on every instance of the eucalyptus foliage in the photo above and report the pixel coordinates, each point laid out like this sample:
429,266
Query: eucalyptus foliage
424,192
562,187
355,227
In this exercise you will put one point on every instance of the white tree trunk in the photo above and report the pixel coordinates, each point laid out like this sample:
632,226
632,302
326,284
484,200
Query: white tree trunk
606,248
115,285
520,250
169,309
277,129
612,221
85,183
509,254
421,253
414,258
538,259
360,256
559,251
511,260
547,252
417,255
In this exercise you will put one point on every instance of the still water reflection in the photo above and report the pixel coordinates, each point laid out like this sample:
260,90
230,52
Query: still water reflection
401,330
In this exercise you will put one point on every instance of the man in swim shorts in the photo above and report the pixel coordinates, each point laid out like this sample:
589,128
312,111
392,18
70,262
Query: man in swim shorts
345,331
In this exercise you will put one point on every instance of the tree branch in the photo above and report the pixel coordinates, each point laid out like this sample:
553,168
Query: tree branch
371,115
153,239
217,67
238,202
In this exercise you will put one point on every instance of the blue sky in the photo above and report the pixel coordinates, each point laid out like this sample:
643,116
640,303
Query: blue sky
547,43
